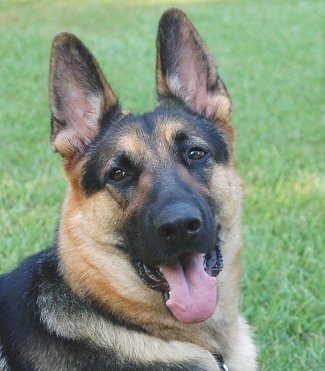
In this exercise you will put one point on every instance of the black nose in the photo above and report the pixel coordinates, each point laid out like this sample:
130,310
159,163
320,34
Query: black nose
178,222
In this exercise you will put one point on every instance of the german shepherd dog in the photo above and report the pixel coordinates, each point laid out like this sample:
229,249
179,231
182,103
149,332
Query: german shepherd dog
153,205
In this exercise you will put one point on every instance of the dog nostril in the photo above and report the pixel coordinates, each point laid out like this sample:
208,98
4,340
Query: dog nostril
178,224
170,232
193,226
167,231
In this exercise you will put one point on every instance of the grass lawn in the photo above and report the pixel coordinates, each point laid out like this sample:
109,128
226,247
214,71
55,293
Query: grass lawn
271,56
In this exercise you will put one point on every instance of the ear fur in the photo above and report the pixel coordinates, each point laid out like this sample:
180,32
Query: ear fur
186,69
78,93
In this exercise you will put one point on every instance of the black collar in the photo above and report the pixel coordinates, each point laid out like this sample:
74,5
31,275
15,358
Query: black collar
221,362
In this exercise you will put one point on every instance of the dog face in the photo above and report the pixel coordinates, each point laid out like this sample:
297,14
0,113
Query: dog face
155,189
157,168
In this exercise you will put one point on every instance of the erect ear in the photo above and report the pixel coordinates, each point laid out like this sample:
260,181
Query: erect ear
186,69
79,96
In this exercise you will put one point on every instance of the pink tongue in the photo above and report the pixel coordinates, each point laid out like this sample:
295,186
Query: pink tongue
193,293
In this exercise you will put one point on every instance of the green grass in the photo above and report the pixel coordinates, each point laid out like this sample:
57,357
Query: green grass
271,55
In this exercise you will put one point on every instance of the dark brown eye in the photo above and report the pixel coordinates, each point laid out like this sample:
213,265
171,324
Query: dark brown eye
118,174
196,154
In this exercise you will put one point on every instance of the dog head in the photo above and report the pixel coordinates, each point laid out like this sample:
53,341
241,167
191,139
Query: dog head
154,186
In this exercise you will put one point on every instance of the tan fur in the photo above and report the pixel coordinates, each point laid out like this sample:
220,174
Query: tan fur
167,130
132,145
130,345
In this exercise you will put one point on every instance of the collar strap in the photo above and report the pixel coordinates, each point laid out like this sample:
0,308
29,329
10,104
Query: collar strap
221,362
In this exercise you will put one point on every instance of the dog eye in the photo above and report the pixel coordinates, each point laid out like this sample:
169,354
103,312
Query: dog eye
118,174
196,154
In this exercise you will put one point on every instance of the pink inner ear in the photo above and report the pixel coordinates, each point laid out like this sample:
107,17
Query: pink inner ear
81,114
191,88
189,83
191,78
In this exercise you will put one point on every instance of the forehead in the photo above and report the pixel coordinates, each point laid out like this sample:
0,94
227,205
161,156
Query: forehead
157,129
147,132
156,135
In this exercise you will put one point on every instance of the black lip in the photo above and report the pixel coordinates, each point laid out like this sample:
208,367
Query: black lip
153,278
213,262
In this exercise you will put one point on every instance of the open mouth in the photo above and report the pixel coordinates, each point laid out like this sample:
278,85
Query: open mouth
188,283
